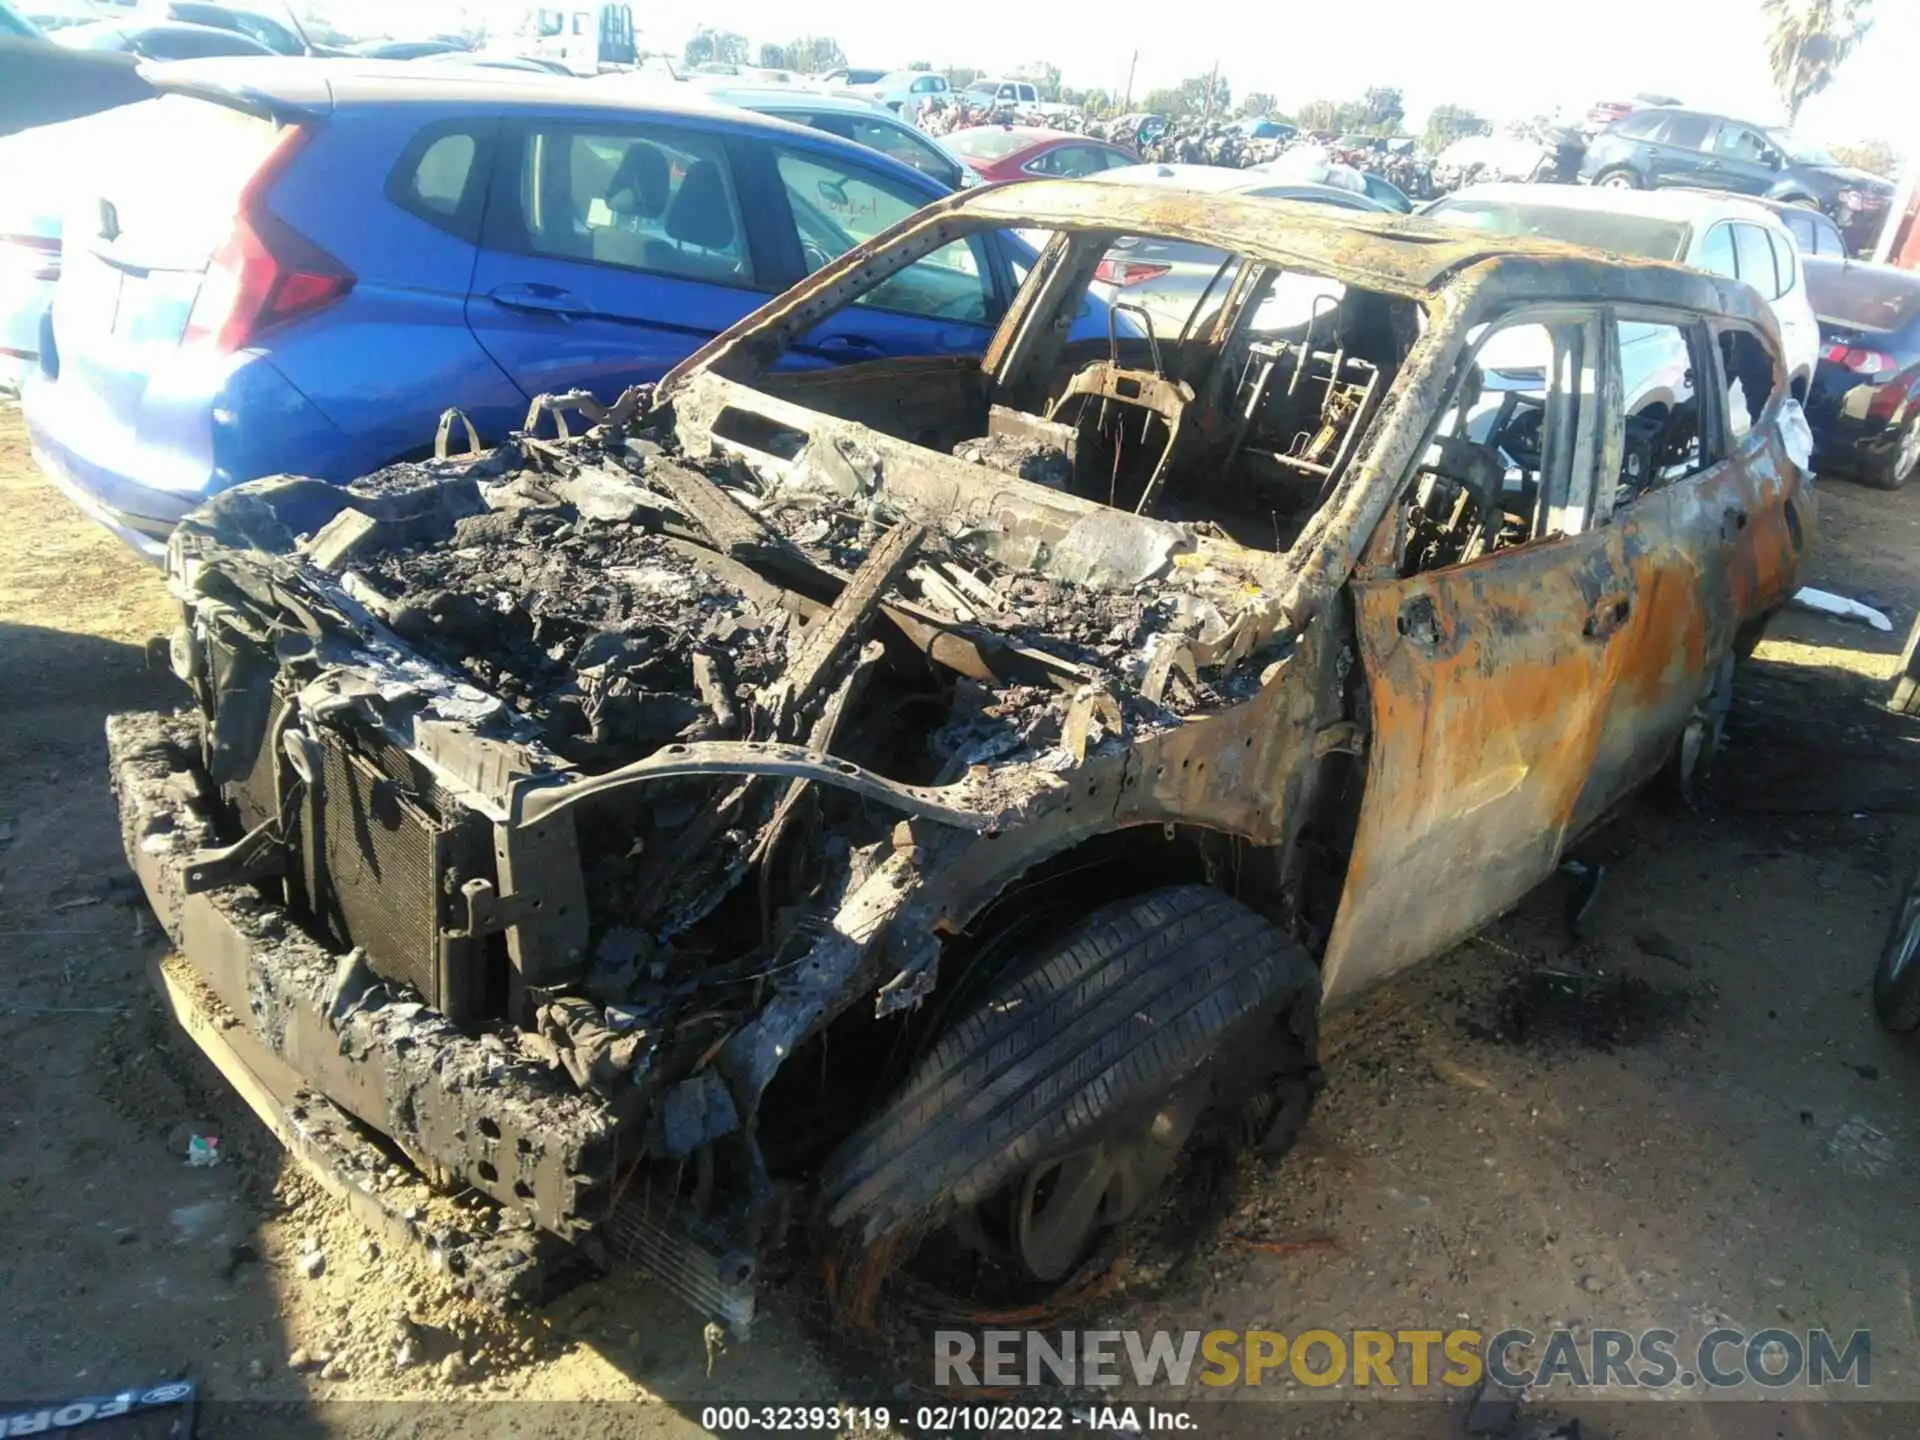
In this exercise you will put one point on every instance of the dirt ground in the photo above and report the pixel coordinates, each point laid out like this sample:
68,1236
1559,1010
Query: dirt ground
1684,1116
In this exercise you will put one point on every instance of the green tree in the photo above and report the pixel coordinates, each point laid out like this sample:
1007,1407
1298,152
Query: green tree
1449,123
1171,103
1383,110
1045,76
1807,40
810,54
774,57
961,76
1255,105
725,47
1196,94
1095,102
1318,115
922,65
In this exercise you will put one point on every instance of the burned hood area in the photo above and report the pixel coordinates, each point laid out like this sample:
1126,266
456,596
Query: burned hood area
631,764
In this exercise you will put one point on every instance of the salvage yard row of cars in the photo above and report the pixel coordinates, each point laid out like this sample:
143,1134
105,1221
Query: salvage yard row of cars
906,706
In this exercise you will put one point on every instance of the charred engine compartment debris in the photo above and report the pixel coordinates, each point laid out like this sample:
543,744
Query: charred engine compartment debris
618,763
592,632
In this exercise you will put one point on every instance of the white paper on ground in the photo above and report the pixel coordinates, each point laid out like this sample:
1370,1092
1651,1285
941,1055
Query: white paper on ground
1825,602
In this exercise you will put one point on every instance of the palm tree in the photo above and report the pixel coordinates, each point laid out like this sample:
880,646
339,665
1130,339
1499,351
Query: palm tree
1807,40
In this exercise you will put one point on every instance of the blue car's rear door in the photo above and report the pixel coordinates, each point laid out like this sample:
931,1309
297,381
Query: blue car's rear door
613,248
946,304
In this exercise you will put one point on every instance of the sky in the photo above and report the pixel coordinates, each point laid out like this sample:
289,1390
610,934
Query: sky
1507,59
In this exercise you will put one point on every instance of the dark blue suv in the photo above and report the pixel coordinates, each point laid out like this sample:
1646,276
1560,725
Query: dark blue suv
1661,145
294,266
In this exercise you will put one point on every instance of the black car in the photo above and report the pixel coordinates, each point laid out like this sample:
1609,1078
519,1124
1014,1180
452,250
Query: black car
1865,402
1661,146
42,83
403,49
269,32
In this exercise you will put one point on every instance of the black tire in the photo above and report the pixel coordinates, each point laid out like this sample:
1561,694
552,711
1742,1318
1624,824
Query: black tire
1618,178
1142,998
1747,638
1905,699
1896,980
1892,470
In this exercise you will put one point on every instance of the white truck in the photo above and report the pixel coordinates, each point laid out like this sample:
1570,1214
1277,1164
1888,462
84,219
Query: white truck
583,39
1020,95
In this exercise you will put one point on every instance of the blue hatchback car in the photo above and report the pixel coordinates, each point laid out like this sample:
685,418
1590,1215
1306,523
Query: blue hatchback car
294,266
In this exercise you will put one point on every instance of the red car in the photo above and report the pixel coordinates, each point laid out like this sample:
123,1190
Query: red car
1609,112
1013,152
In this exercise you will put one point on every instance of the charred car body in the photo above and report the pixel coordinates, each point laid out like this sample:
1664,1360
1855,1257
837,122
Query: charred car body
921,796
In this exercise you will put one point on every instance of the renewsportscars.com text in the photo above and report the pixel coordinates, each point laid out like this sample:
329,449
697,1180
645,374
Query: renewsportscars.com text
1719,1359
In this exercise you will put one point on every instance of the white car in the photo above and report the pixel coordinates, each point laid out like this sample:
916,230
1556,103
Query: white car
907,92
1168,279
1705,229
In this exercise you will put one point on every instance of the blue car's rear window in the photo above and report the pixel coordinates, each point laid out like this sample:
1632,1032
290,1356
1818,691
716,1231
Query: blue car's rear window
1864,297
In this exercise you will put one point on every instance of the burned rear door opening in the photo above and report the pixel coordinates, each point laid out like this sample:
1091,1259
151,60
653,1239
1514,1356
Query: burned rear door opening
919,798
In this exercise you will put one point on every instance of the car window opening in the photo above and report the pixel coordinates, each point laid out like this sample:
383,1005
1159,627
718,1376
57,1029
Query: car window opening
1197,386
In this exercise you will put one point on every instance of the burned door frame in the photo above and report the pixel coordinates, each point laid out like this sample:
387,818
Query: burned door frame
1680,621
1487,689
1776,508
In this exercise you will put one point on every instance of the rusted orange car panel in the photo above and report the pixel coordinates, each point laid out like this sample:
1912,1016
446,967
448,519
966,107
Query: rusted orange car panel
1488,704
1514,701
1781,517
1669,625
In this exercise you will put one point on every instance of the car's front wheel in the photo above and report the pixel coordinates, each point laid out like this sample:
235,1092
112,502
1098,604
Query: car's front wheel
1620,179
1053,1109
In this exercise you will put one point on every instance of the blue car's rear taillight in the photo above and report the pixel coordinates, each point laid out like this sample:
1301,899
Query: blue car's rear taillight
264,273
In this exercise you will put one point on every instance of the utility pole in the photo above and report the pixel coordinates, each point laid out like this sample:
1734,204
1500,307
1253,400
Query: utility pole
1126,106
1213,82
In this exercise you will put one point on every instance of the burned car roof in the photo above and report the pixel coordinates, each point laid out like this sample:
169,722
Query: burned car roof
1402,254
1406,256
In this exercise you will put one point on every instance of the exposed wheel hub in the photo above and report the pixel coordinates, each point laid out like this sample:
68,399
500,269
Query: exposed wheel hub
1056,1209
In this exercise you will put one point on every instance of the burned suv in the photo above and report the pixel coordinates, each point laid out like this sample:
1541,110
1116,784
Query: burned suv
919,798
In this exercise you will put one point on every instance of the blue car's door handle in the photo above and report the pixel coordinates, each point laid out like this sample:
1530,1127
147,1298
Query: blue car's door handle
850,346
541,300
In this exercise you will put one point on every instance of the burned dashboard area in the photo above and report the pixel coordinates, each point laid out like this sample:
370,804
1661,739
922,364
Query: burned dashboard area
618,763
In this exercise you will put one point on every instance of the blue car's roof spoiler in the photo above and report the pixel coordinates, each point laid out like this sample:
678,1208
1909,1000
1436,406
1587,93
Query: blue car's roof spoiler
287,89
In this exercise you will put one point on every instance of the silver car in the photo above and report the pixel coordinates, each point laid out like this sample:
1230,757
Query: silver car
854,118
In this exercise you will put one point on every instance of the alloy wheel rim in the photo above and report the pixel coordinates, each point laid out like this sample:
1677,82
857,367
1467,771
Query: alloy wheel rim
1907,942
1693,741
1057,1210
1908,455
